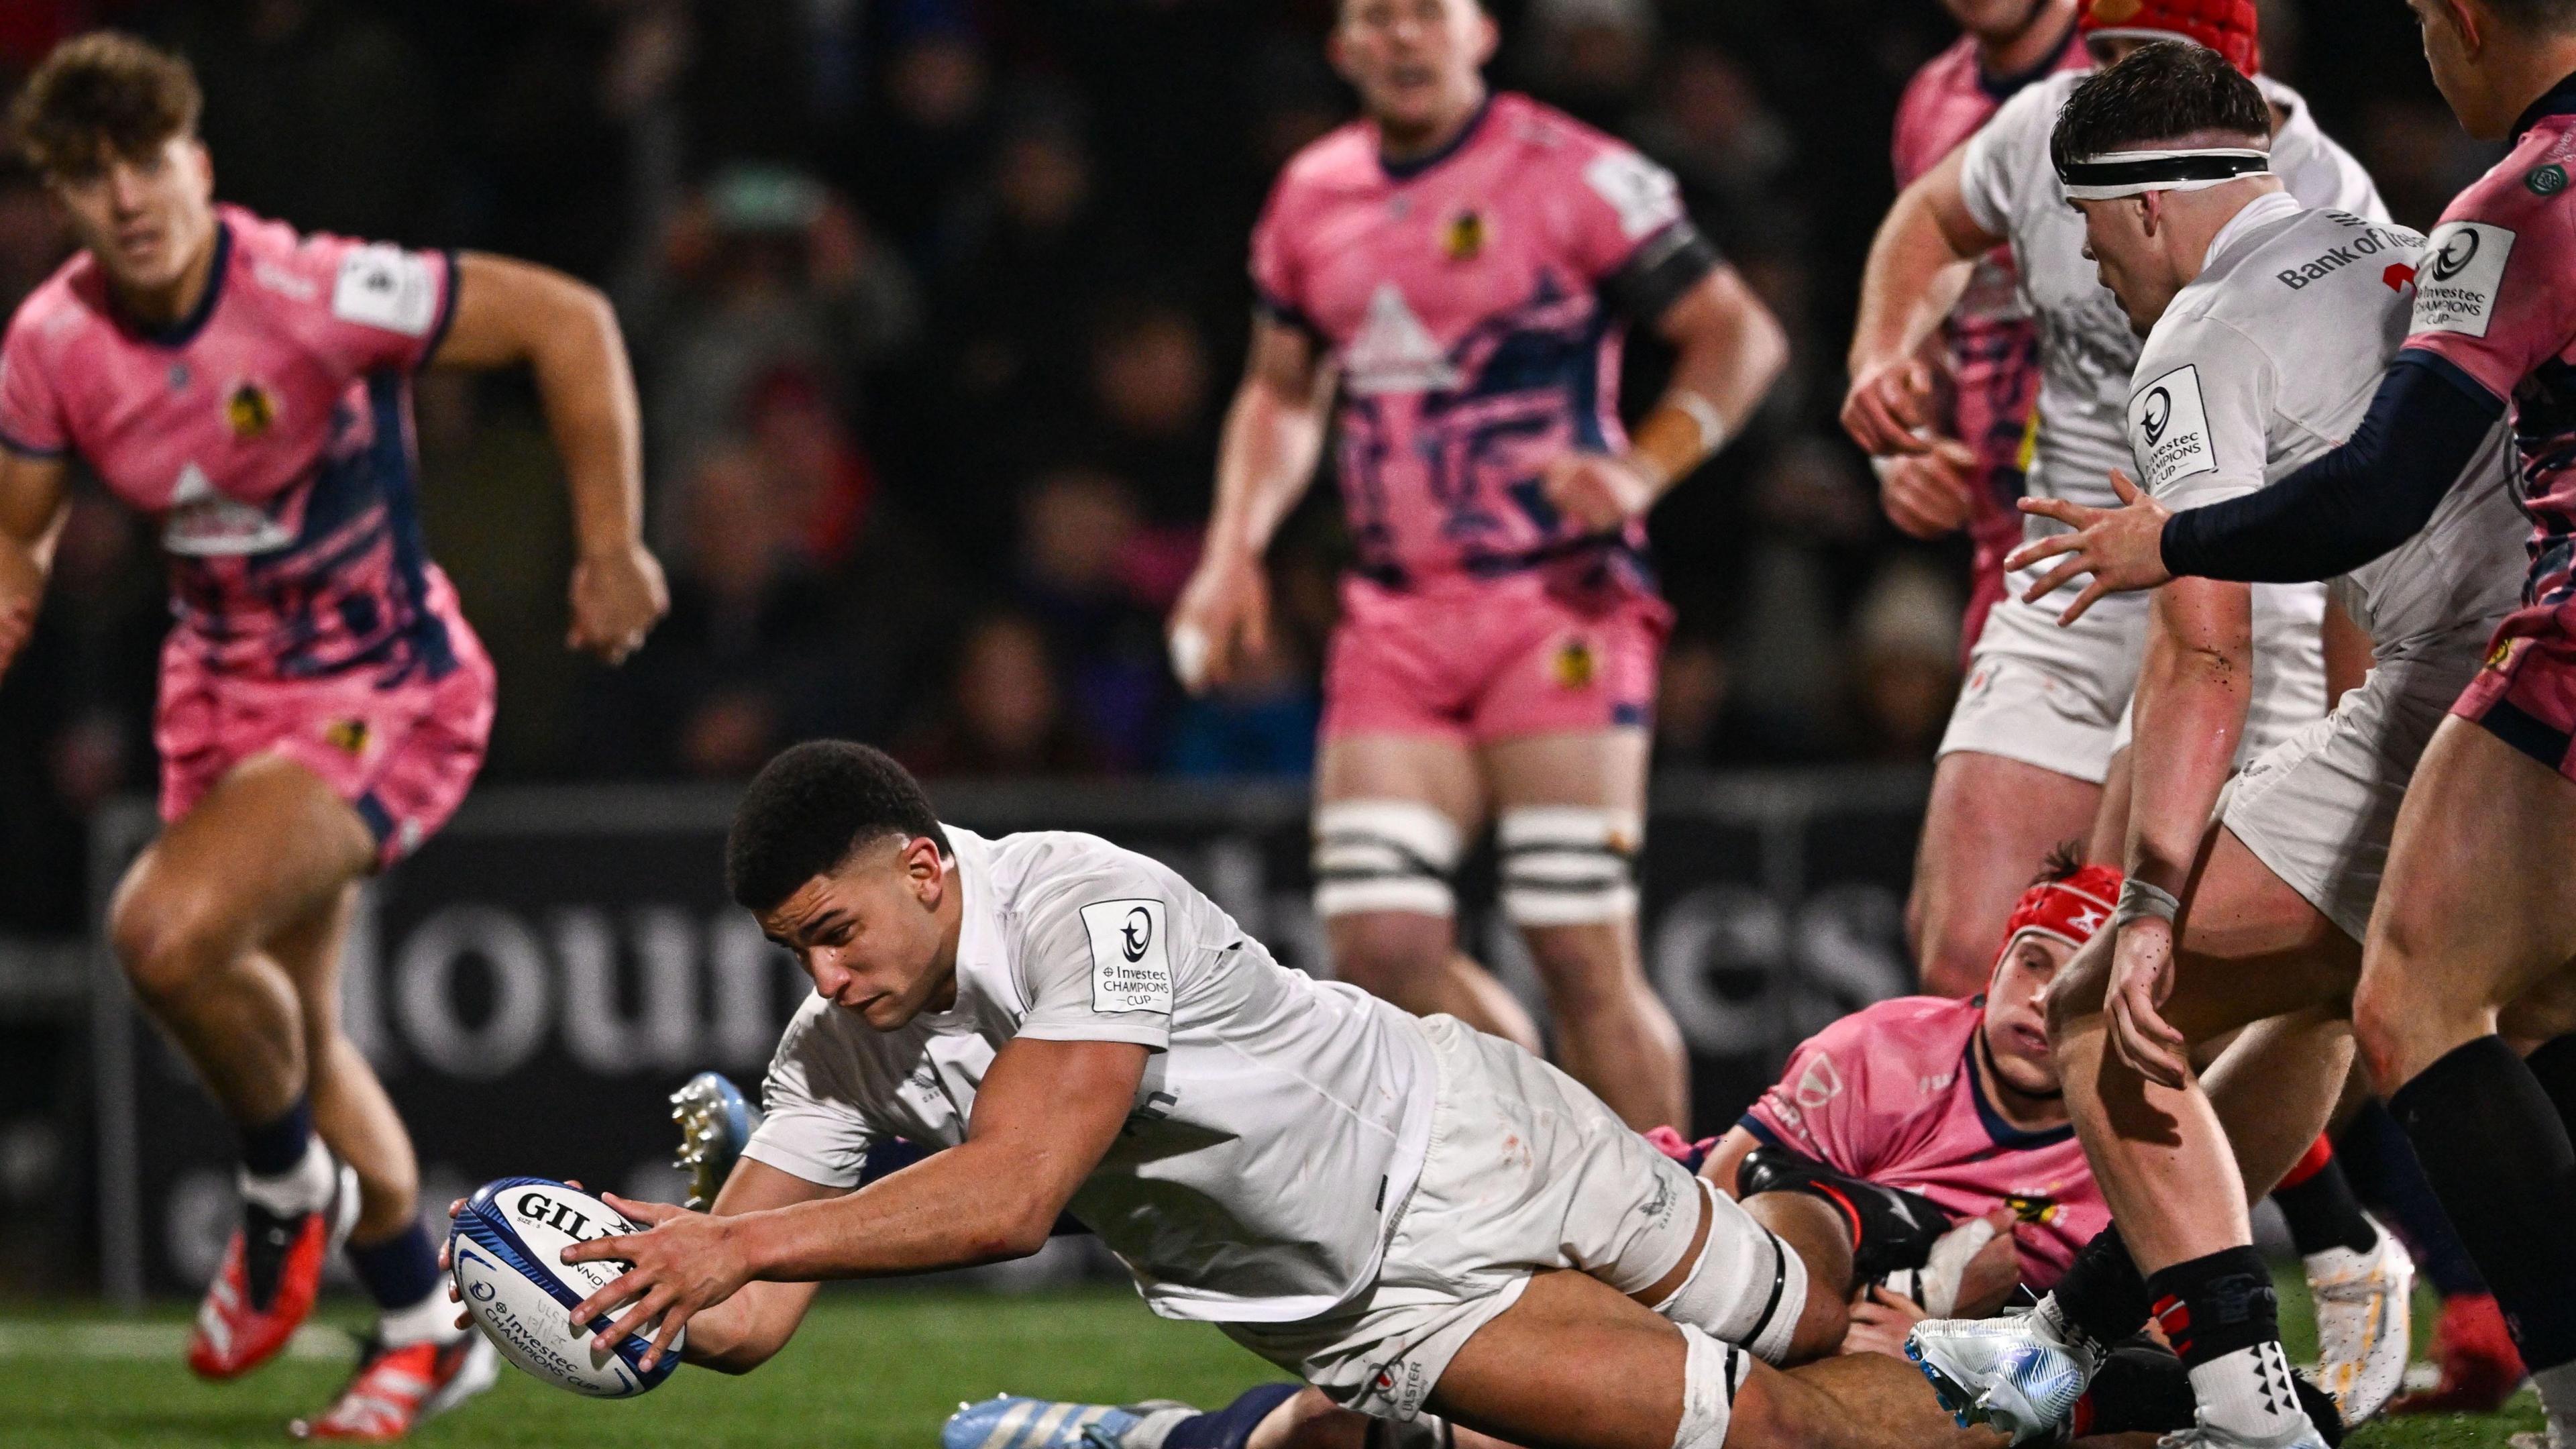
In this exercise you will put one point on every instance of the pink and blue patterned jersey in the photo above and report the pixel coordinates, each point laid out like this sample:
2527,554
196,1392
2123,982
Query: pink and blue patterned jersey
1473,302
2495,305
1889,1094
269,434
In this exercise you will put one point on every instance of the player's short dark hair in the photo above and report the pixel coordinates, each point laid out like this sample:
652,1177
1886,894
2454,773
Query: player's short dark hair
2064,859
102,95
2161,91
2538,17
809,808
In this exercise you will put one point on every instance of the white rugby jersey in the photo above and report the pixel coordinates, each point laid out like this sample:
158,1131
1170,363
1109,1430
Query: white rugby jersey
1280,1122
2087,351
2269,360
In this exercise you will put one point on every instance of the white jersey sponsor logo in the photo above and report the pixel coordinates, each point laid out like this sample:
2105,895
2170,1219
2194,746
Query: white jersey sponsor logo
2457,282
386,287
203,523
1644,194
1131,968
1394,352
2169,429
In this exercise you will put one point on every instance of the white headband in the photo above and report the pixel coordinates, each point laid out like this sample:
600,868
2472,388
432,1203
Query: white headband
2116,174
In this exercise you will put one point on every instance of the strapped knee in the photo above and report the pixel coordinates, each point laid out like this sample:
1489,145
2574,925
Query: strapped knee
1384,855
1711,1374
1748,1287
1569,865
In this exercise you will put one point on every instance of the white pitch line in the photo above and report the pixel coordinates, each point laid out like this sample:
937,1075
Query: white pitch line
145,1341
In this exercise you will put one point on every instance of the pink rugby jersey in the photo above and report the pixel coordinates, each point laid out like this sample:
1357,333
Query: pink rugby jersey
1474,302
2495,303
1993,346
1888,1094
269,434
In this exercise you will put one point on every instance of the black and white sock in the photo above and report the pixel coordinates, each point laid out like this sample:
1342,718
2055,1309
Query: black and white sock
2222,1317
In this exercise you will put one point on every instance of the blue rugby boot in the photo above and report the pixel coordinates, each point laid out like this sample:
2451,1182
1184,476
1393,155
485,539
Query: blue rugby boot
715,1121
1013,1422
2016,1373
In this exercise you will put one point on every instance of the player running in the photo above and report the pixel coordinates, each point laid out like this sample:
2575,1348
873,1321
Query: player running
2031,740
1455,272
1406,1213
2468,928
323,703
2271,327
1986,361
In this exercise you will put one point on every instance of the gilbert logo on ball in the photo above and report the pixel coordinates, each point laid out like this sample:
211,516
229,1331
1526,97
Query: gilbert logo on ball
506,1248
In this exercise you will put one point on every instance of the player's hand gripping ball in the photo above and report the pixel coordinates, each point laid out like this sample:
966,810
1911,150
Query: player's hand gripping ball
506,1253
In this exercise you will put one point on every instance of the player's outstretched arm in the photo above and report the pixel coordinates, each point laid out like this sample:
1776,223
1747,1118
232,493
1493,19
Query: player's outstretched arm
1047,1113
748,1329
1274,434
2337,512
2193,688
35,498
1729,351
1918,265
510,312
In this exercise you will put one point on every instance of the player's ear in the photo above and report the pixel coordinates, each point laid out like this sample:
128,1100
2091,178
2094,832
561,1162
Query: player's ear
2470,20
201,162
1489,37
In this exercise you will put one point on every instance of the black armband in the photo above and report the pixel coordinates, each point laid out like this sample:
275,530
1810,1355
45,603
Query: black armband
1661,269
2425,426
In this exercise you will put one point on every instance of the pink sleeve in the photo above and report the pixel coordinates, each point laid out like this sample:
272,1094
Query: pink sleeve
31,412
2495,293
1818,1107
387,306
1619,200
1276,285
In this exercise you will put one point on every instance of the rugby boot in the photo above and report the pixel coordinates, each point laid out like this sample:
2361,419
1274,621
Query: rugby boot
2204,1435
272,1270
2015,1372
2364,1318
2480,1366
1013,1422
395,1389
715,1121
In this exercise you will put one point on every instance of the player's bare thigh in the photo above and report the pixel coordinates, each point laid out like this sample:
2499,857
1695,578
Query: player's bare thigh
267,847
2251,948
1989,826
1574,1363
1406,951
1569,814
2477,909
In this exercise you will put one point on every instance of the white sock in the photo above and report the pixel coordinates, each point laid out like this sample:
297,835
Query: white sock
2557,1388
431,1320
2248,1393
303,1188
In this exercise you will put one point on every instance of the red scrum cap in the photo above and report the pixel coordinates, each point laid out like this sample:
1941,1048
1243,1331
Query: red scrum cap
2069,910
2226,26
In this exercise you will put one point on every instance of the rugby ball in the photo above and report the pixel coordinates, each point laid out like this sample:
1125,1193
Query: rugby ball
506,1251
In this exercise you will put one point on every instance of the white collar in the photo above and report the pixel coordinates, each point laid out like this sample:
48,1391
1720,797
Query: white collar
2270,206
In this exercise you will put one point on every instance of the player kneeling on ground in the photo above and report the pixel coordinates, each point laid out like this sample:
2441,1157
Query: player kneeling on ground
1403,1212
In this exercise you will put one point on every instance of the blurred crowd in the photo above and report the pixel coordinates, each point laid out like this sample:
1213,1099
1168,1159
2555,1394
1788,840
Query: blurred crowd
936,305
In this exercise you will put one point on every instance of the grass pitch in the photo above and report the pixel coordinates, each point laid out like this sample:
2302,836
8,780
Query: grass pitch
870,1370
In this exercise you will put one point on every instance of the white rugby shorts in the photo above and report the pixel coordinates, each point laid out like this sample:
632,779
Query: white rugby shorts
2319,807
1526,1171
